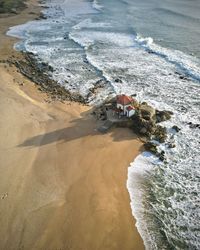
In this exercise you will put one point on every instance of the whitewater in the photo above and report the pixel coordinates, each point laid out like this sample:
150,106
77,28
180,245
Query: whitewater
143,45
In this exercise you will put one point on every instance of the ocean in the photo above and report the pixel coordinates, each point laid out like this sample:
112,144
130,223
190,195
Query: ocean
153,47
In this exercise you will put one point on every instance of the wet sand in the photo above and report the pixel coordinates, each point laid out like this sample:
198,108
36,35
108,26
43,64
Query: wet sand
62,184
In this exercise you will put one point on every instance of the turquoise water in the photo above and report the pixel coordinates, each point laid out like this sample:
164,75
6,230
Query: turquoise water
153,47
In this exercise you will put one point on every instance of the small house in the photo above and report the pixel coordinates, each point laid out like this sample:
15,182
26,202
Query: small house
125,105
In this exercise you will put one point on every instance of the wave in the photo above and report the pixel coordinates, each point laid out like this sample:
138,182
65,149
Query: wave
138,175
189,65
96,5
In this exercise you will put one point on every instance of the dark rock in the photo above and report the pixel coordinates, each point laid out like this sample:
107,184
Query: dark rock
65,36
194,125
38,73
42,16
144,103
160,133
171,145
85,60
183,77
151,147
118,80
162,116
162,158
176,128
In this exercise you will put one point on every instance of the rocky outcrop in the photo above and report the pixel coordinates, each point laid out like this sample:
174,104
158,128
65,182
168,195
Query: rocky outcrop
39,74
163,115
146,111
152,147
160,133
144,122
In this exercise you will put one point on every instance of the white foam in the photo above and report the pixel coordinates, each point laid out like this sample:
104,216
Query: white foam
186,63
88,24
96,5
87,38
138,173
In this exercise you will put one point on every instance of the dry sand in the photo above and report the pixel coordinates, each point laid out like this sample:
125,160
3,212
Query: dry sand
62,184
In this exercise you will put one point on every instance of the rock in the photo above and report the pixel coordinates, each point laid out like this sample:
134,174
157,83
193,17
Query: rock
162,116
162,158
42,16
183,78
193,125
176,128
85,60
151,147
14,11
118,80
38,73
144,103
143,131
146,111
160,133
171,145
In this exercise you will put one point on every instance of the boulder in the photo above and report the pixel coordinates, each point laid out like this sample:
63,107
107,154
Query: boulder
162,116
171,145
143,131
161,156
160,133
146,111
176,128
117,80
193,125
151,147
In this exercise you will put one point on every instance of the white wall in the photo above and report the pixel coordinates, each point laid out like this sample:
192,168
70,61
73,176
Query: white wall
131,113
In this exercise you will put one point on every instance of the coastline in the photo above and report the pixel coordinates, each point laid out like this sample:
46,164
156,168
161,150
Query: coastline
63,185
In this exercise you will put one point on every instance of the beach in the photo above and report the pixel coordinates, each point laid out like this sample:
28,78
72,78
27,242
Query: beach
62,183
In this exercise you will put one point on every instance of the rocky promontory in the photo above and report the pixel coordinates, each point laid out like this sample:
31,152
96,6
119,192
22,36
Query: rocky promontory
145,122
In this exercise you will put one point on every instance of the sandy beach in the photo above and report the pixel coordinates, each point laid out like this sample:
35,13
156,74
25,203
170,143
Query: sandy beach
62,183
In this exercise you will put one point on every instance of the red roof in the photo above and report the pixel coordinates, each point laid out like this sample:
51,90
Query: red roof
124,99
130,108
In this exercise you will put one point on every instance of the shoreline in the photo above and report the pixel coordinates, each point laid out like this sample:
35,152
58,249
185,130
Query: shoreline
59,177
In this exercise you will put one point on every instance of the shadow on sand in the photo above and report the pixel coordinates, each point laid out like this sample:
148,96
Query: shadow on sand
82,127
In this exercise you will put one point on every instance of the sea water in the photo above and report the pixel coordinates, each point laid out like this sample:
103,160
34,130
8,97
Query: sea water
153,47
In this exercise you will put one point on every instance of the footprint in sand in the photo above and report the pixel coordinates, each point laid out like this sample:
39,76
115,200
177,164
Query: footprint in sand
4,196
